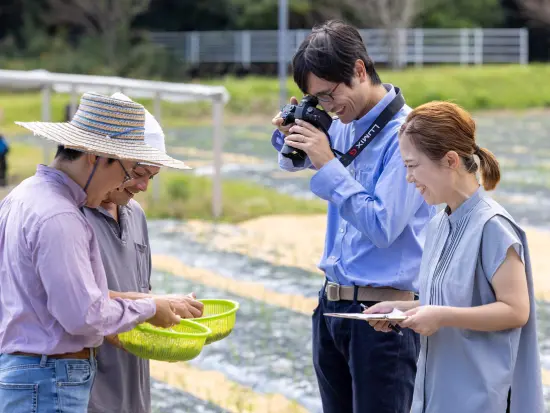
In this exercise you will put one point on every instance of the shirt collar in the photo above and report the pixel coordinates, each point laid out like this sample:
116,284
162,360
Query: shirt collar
123,211
372,114
464,208
53,175
121,224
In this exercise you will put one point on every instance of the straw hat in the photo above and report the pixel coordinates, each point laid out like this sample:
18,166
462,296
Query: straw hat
105,126
154,135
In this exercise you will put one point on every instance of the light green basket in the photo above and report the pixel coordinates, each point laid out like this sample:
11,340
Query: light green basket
182,342
220,316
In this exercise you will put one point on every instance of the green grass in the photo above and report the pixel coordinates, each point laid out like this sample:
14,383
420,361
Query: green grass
185,196
22,161
475,88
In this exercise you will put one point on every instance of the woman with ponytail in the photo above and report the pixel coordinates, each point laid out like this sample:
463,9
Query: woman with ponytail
476,313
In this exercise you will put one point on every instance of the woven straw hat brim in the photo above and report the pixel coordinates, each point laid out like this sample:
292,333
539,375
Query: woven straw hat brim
73,137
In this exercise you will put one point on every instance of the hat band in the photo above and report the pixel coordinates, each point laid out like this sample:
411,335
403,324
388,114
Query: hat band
109,130
124,133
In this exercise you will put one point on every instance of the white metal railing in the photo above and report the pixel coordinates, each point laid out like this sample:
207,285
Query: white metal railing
414,46
135,89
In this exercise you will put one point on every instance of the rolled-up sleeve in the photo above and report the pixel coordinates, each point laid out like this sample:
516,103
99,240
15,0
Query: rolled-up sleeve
63,261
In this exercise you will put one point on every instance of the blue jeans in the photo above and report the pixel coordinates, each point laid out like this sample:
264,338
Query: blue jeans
360,370
44,385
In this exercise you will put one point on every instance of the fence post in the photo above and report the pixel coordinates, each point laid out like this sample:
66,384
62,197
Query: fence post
403,48
478,46
418,47
523,46
464,47
246,58
194,48
217,115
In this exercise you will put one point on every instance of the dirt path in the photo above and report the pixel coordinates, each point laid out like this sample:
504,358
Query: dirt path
213,386
299,240
248,289
287,240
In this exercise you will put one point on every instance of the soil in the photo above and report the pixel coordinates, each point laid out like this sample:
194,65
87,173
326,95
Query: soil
299,240
248,289
213,386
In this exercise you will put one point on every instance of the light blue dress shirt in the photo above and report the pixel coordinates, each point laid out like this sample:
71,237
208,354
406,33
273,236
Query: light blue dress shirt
375,218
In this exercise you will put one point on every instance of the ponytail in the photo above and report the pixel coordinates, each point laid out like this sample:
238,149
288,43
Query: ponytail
490,169
436,128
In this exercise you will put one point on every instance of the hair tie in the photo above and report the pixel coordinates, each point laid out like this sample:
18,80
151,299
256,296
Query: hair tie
477,150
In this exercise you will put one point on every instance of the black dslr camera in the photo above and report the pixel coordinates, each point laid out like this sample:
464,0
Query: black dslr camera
306,110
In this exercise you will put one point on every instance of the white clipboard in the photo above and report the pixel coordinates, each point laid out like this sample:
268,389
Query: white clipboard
395,315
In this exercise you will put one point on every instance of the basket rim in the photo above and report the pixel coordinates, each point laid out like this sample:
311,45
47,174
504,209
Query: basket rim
221,315
206,331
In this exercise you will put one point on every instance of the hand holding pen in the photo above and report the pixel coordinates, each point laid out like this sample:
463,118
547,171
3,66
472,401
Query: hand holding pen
393,327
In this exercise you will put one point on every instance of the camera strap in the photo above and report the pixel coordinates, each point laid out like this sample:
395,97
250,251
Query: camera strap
374,129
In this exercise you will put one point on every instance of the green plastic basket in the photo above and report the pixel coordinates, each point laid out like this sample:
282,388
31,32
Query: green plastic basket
220,316
180,343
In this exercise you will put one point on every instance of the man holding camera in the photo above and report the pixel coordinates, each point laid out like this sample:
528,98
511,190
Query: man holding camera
374,237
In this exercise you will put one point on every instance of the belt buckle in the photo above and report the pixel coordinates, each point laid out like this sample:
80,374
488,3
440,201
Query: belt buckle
333,291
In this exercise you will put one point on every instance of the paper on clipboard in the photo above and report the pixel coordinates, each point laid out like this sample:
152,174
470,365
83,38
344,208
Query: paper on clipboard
395,315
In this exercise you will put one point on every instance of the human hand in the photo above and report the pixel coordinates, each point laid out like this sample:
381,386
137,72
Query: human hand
384,307
114,341
424,320
277,121
313,141
165,316
186,306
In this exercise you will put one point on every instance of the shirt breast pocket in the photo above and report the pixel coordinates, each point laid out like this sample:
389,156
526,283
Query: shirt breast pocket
365,177
142,257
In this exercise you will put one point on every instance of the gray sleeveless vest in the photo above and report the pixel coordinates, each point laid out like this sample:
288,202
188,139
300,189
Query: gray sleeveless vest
460,370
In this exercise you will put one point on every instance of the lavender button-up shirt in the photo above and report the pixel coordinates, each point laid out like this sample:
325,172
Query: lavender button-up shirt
53,290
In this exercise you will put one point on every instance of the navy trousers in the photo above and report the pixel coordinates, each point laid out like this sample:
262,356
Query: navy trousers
360,370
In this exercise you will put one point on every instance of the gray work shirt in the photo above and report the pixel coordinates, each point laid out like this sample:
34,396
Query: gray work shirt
462,370
122,383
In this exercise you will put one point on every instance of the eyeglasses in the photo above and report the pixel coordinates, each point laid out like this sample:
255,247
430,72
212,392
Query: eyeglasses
127,176
142,171
327,97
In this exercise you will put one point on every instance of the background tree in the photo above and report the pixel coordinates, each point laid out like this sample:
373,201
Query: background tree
536,11
390,15
462,14
109,20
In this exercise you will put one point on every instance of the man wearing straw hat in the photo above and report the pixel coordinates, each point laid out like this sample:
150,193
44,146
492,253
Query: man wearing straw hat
55,307
122,383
